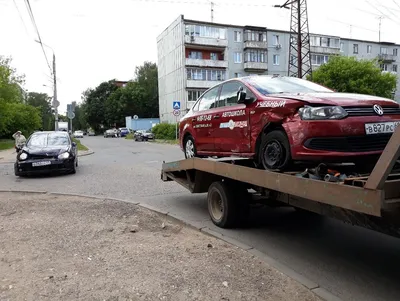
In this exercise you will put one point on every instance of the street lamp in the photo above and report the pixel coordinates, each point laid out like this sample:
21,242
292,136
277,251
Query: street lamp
55,104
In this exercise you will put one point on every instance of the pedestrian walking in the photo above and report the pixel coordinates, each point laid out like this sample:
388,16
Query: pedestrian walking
20,140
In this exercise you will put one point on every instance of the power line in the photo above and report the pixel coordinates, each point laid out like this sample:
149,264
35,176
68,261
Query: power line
28,6
22,20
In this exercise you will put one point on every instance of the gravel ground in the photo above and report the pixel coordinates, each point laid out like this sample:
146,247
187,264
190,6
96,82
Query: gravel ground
71,248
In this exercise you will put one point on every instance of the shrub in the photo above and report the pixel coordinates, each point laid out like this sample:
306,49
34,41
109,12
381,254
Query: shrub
165,131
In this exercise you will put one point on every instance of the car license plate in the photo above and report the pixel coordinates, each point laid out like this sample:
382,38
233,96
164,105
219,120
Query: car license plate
381,127
41,163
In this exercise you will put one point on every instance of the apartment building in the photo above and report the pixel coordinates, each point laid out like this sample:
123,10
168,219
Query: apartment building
194,56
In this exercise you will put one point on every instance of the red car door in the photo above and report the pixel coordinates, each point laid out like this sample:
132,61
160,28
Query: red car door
232,134
203,121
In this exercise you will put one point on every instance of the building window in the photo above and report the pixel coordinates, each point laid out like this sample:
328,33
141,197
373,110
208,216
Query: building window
325,42
394,68
195,55
237,57
341,47
257,56
238,36
275,59
214,56
193,95
395,51
355,48
369,48
275,39
256,36
238,75
319,59
205,74
205,31
384,67
384,50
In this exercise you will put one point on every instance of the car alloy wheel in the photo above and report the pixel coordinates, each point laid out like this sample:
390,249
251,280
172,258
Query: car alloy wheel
190,148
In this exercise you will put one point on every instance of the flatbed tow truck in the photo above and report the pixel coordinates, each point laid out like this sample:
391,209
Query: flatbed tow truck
369,200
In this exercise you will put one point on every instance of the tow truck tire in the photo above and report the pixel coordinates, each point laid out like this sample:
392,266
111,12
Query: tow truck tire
226,205
274,152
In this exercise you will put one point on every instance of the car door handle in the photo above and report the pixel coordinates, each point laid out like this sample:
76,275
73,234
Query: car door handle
216,116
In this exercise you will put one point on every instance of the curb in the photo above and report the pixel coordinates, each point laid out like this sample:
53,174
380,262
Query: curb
309,284
87,153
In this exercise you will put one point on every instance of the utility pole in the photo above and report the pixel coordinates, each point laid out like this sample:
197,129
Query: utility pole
379,31
55,101
299,48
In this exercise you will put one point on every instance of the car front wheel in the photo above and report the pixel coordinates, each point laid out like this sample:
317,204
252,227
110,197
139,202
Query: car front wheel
274,152
190,148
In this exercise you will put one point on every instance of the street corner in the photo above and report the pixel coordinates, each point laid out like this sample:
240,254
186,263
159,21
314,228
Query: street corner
159,256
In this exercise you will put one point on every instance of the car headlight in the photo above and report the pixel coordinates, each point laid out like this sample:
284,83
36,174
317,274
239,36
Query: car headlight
63,155
23,156
322,113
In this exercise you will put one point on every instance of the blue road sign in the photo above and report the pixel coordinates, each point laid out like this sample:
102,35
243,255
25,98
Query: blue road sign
176,105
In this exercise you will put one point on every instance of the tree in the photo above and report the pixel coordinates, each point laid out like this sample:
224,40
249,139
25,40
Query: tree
147,78
347,74
10,82
42,102
95,104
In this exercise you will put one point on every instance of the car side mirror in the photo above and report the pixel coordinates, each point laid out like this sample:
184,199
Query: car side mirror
242,97
74,144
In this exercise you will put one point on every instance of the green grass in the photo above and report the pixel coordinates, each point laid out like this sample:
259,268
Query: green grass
129,136
174,141
6,144
80,146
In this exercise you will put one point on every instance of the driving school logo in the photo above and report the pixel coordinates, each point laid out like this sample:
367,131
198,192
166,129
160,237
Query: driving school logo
271,104
234,113
233,124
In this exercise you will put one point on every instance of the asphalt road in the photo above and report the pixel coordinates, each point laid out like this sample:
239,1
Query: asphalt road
351,262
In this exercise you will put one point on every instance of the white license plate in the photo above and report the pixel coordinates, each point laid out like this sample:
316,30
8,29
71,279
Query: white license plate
41,163
381,127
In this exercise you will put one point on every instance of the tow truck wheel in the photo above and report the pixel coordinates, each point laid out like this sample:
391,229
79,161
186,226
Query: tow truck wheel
225,205
190,147
274,152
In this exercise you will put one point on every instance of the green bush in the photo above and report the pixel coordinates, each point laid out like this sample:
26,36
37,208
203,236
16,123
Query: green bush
166,131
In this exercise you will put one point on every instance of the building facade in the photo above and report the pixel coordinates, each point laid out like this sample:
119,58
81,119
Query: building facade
194,56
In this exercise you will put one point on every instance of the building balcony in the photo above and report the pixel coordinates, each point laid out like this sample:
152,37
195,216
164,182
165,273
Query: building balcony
248,66
201,84
387,58
206,63
255,45
210,42
324,50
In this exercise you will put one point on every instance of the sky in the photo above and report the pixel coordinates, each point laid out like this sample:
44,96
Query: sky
99,40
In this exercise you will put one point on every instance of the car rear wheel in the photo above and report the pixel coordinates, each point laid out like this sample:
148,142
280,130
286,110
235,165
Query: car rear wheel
274,152
189,147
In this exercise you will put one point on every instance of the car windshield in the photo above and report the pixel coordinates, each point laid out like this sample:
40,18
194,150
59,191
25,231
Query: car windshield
51,139
274,85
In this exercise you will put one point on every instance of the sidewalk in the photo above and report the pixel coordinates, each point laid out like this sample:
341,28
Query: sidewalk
9,156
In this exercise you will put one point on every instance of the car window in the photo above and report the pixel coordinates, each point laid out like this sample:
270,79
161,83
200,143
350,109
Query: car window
208,100
228,96
52,139
272,85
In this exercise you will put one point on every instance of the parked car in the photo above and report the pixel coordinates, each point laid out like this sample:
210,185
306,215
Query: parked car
47,152
123,132
111,133
278,120
91,133
147,134
78,134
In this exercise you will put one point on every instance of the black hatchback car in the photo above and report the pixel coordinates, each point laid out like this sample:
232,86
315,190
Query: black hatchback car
47,152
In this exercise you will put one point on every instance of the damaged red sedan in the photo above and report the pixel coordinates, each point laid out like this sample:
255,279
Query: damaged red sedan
278,120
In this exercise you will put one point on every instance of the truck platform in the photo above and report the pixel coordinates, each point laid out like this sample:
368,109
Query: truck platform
369,200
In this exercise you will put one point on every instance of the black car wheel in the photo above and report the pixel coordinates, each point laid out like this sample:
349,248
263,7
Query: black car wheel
274,152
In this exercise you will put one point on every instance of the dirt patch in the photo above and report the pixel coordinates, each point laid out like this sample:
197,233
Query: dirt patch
71,248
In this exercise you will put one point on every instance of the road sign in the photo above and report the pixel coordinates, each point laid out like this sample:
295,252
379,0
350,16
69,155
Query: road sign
55,104
136,117
69,108
176,105
176,112
71,115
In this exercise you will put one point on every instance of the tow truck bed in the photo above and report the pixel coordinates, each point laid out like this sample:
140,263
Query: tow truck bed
371,201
